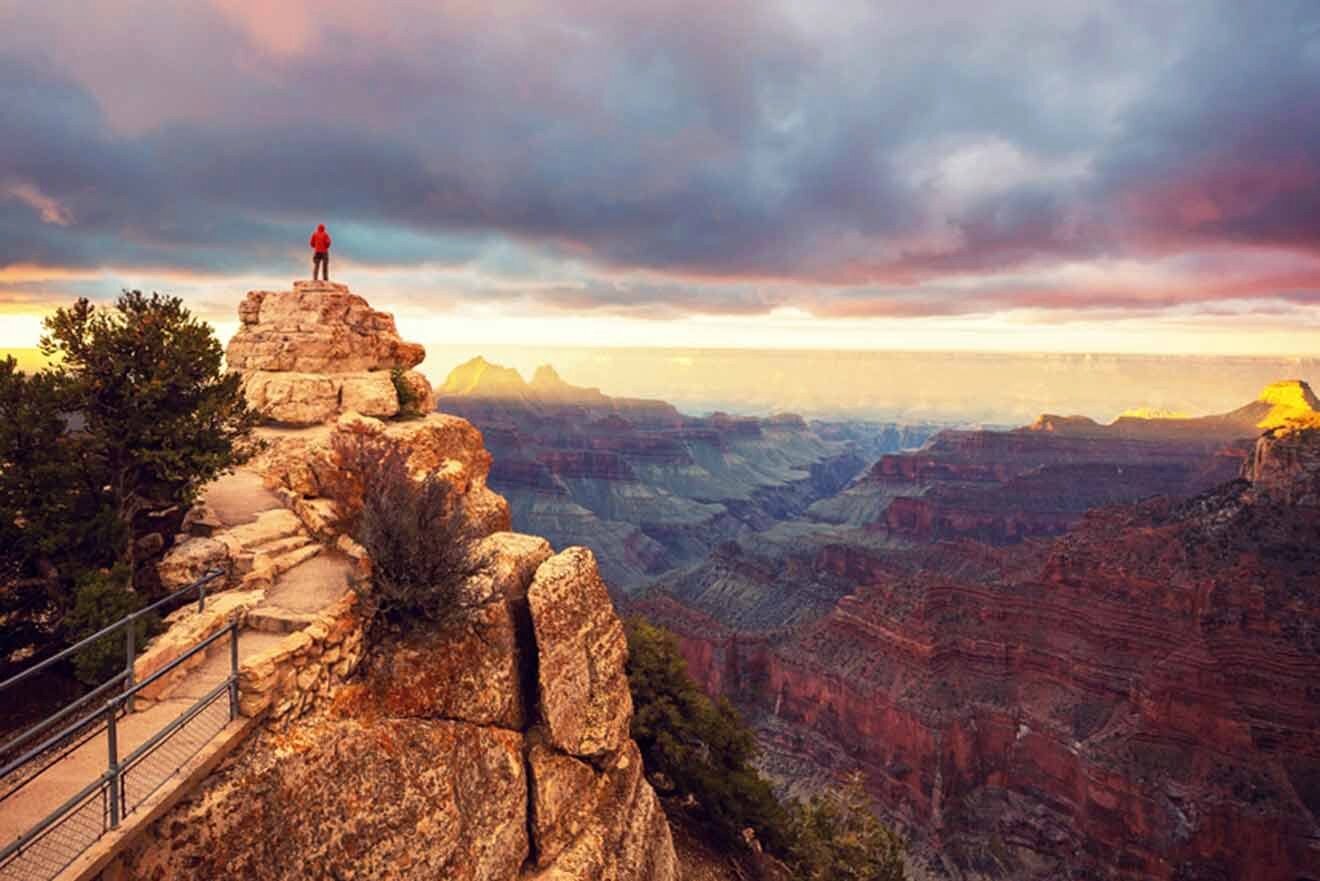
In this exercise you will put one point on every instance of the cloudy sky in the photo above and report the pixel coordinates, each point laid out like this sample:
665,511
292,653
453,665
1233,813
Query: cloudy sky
1113,176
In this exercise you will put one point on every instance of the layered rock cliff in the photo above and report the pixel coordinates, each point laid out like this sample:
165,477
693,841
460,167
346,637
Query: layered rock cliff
490,745
1136,699
1003,486
309,354
494,746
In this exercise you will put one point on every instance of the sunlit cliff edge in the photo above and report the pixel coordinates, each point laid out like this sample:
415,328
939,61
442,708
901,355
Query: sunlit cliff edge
491,745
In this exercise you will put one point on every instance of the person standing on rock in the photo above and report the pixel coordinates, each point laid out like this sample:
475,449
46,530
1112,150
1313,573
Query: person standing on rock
320,243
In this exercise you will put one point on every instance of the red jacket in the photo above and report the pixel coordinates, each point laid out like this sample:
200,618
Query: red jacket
320,240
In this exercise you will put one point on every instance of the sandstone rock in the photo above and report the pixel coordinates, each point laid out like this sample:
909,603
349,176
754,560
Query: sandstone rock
292,398
371,394
563,800
1286,463
419,767
201,521
445,444
309,354
599,825
317,328
395,799
469,667
581,652
269,526
190,559
421,388
439,443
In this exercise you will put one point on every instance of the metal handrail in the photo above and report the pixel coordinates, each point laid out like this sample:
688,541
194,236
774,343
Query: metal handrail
113,777
21,841
116,702
60,714
199,585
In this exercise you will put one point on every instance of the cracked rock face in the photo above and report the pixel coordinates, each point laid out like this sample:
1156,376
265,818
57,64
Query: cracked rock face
581,652
312,353
492,746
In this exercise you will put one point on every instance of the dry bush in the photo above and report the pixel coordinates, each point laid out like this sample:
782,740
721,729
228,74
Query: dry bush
413,527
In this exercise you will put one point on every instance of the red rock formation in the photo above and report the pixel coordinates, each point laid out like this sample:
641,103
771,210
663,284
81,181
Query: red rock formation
1138,699
1002,486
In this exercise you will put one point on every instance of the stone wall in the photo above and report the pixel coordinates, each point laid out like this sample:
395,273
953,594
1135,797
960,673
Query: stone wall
289,679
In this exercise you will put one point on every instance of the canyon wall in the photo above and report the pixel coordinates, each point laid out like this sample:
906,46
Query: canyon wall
646,487
1134,699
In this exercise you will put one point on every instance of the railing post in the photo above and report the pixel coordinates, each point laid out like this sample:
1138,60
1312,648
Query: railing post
130,653
233,667
112,741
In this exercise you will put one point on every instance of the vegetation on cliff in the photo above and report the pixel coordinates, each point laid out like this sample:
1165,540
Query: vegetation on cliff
412,403
704,750
100,452
411,527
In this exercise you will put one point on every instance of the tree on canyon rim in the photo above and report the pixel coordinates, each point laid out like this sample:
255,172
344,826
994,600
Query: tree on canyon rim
704,750
100,453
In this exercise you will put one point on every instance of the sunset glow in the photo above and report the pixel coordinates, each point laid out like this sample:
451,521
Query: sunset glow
676,174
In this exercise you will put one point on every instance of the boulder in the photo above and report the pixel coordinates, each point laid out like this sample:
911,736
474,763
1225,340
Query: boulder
581,653
439,444
292,398
190,559
589,824
318,327
371,394
421,389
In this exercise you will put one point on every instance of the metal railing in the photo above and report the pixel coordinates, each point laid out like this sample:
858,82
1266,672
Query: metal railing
125,676
52,844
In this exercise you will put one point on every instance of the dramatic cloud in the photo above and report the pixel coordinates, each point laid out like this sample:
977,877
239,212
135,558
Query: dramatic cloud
677,157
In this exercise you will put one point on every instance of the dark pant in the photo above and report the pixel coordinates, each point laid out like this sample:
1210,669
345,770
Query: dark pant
321,259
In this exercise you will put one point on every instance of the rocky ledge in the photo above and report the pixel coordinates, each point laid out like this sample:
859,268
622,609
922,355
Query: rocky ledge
494,746
309,354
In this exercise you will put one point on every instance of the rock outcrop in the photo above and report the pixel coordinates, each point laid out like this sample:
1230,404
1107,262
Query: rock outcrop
300,466
312,353
491,745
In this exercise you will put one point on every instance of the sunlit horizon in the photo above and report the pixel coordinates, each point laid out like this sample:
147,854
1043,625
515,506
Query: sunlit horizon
894,175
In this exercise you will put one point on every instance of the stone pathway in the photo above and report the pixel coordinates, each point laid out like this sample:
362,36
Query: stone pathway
239,497
35,801
305,577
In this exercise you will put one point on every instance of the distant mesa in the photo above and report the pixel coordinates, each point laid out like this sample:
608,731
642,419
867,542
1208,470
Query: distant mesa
481,378
1284,403
491,387
312,353
1153,413
1290,401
